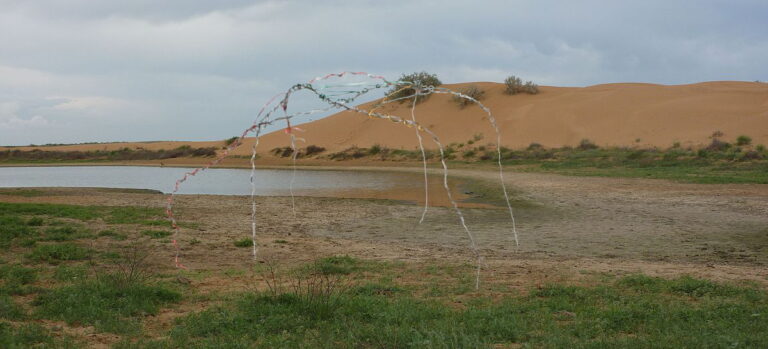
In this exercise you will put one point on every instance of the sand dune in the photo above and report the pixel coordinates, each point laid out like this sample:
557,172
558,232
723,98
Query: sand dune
609,115
627,114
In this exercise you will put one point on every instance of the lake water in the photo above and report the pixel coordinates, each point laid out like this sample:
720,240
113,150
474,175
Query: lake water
211,181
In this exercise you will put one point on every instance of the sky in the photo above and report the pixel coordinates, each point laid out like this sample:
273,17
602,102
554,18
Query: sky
76,71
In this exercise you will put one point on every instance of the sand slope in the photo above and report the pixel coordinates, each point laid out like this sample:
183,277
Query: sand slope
627,114
611,114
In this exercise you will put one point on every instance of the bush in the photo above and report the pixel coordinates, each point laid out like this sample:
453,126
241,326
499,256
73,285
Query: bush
245,242
470,91
586,144
229,141
718,145
743,140
408,84
515,85
313,149
531,88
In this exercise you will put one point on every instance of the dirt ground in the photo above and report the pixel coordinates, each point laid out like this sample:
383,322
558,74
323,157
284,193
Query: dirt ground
568,226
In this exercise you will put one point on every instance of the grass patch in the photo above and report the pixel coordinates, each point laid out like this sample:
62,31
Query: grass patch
244,242
157,234
27,193
633,311
107,303
65,233
70,273
110,214
55,253
9,310
727,165
113,234
31,336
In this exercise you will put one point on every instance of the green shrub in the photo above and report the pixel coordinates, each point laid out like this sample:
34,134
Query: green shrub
244,242
743,140
229,141
408,84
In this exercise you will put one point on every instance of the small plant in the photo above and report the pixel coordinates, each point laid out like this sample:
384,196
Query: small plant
535,146
313,150
718,145
229,141
194,242
245,242
531,88
409,84
374,149
586,144
470,91
743,140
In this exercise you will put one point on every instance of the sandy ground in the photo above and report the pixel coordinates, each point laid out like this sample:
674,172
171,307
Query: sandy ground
567,226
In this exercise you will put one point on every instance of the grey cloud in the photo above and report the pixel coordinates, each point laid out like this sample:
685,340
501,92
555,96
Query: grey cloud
199,69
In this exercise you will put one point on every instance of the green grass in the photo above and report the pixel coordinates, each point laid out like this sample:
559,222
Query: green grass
9,310
70,273
65,233
112,234
16,279
631,312
28,193
157,234
244,242
55,253
110,214
706,167
106,303
31,336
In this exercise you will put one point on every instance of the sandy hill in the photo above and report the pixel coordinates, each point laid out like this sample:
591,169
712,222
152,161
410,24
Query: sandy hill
627,114
609,115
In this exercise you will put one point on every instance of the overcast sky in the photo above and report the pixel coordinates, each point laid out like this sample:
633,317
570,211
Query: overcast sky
102,70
